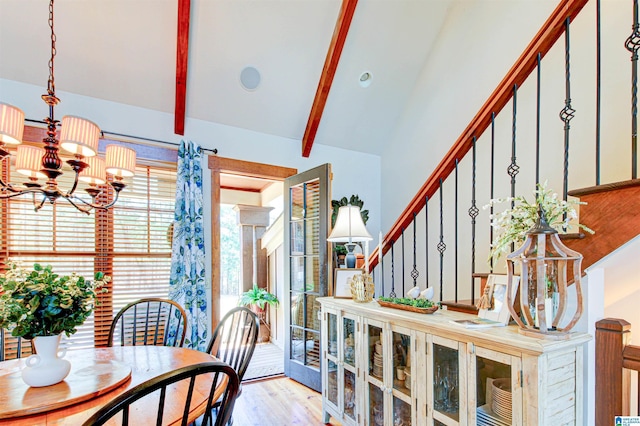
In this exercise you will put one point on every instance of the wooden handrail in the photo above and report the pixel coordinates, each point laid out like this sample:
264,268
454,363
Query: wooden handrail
546,37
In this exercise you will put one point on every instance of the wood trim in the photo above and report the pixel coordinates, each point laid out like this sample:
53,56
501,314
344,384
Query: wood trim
548,34
219,165
249,168
605,187
328,72
182,63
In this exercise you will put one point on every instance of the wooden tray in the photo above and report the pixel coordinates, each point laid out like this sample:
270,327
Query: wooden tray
408,308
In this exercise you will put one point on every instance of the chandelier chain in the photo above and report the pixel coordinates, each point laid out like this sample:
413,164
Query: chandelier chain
51,85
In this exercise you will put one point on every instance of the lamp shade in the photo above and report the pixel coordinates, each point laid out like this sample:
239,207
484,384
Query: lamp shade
29,161
96,173
121,161
11,124
349,226
79,136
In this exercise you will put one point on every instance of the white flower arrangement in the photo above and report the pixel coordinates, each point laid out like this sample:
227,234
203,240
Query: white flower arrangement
511,225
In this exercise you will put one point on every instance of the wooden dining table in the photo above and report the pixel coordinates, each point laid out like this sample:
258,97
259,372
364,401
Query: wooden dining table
97,376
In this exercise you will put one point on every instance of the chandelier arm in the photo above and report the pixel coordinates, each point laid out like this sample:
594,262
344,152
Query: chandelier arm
8,187
37,206
72,200
92,205
17,193
74,186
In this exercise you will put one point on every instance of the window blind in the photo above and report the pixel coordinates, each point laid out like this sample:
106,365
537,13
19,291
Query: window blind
129,242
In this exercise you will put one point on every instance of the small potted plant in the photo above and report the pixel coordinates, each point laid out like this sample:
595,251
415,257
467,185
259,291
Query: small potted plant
257,298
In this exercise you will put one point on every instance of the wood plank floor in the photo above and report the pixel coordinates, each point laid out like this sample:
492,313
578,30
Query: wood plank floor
278,402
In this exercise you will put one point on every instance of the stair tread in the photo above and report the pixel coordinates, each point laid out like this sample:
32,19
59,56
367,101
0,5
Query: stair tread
604,187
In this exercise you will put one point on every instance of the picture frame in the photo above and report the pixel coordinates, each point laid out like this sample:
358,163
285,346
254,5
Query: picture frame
499,311
341,287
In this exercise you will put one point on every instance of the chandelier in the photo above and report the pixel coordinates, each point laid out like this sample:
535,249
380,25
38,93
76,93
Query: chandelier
79,137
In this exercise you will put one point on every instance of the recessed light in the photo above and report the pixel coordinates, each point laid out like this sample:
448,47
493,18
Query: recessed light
250,78
365,79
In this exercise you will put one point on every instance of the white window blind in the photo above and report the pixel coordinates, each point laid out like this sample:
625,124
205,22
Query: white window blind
128,242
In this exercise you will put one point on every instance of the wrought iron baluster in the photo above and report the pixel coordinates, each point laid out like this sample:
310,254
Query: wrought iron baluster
455,227
473,213
633,44
404,291
414,271
441,245
538,121
426,239
492,181
513,168
393,278
598,90
567,113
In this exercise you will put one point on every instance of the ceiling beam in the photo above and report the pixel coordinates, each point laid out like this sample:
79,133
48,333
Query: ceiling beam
328,72
182,61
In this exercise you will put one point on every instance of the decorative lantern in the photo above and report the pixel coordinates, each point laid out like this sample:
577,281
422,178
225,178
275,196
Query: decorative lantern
544,267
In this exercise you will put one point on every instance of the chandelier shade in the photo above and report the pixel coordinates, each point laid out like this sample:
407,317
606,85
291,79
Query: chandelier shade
11,124
95,173
121,161
29,161
79,136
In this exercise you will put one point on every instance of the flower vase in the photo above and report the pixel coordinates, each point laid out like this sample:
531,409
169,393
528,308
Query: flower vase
47,367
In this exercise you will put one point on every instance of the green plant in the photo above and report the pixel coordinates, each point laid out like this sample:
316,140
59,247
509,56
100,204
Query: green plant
511,225
259,297
340,250
418,303
354,200
41,303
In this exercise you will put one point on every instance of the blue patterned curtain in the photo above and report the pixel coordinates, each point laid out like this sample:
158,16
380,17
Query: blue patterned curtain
187,285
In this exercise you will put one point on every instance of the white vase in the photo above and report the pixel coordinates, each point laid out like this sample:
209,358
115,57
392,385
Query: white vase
46,367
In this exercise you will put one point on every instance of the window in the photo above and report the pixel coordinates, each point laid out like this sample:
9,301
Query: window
129,242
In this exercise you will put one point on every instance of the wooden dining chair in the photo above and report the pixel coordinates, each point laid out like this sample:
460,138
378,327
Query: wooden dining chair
169,401
13,347
234,339
150,321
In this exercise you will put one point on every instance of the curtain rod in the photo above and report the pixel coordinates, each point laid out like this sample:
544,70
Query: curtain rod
103,132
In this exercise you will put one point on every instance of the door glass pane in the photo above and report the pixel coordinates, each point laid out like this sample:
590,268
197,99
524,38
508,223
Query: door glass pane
313,310
332,338
445,384
332,383
297,344
312,199
297,273
312,228
402,362
376,406
312,277
374,347
349,341
297,309
349,394
401,413
312,348
297,237
493,394
297,202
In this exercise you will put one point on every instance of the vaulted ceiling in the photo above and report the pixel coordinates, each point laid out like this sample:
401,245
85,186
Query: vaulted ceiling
125,51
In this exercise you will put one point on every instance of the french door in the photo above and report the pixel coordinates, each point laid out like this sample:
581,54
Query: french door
306,269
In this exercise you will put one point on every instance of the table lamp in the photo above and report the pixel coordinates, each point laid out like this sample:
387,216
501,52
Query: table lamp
349,229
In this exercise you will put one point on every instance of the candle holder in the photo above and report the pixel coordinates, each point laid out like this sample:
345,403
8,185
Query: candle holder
544,264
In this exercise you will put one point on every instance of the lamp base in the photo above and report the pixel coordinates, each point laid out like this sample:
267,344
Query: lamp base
350,259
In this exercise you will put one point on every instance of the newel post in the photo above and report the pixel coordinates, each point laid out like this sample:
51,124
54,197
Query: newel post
612,335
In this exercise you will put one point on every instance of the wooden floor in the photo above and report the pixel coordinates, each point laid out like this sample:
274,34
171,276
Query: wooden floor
278,402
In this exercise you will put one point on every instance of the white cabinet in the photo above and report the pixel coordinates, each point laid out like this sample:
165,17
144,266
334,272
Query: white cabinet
385,366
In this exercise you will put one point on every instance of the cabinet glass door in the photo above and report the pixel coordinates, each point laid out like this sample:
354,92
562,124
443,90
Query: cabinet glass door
376,406
376,351
350,346
497,392
449,374
402,376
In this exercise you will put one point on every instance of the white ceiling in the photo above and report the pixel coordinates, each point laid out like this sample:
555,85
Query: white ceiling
125,51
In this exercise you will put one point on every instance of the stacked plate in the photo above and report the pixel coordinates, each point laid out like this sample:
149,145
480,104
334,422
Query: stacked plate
501,398
377,365
486,417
